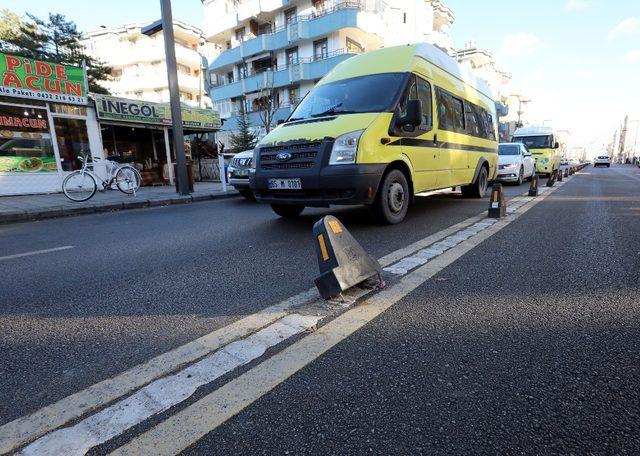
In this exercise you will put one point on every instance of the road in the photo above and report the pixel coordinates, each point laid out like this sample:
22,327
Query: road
527,341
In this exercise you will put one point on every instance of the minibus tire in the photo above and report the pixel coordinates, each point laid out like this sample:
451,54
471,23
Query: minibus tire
392,182
286,210
474,190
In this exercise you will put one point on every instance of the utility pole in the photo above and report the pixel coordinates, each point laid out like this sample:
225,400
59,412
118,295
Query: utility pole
166,25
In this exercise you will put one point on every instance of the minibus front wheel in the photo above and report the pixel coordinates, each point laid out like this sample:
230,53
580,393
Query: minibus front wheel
393,198
477,189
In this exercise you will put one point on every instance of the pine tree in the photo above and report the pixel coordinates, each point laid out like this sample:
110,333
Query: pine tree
245,138
57,40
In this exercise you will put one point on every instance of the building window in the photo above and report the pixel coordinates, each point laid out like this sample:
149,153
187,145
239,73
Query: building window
240,34
264,29
320,49
186,96
230,77
183,68
290,16
292,56
294,95
318,7
353,47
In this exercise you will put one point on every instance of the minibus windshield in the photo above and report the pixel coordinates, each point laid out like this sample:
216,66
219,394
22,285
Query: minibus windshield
370,93
535,142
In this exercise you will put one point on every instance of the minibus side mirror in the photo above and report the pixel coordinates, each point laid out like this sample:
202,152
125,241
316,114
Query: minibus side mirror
556,145
413,116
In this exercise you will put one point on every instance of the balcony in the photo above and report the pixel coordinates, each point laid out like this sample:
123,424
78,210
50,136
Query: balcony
307,69
125,54
344,14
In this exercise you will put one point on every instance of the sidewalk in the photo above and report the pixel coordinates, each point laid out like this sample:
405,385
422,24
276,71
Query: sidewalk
36,207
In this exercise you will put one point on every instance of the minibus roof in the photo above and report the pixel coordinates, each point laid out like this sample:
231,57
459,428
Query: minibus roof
398,59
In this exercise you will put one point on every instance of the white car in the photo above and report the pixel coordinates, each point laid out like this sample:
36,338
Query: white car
515,163
602,160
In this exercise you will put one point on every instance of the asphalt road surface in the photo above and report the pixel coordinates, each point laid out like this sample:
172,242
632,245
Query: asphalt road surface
528,342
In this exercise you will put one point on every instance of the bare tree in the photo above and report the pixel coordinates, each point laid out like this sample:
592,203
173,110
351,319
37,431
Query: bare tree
267,103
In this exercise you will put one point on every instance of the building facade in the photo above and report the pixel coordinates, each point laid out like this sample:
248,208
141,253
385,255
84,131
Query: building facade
274,51
138,67
510,101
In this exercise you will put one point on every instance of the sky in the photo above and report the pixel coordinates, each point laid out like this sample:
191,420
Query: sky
577,60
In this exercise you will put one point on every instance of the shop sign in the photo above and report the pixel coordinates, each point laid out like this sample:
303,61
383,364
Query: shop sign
36,79
126,110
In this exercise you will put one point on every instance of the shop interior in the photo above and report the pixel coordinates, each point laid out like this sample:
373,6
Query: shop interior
144,147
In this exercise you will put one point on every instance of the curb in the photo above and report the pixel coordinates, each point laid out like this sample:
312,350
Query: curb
56,212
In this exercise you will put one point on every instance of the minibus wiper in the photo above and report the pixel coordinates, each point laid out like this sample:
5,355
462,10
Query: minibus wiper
331,110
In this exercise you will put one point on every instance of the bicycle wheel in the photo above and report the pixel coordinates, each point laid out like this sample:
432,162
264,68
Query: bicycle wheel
79,186
127,179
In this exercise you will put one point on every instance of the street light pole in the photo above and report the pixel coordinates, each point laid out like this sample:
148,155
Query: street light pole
174,97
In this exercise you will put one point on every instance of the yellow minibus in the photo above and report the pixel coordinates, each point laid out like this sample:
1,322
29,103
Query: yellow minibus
378,129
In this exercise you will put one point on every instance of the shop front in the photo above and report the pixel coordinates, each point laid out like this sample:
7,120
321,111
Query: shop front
45,124
140,132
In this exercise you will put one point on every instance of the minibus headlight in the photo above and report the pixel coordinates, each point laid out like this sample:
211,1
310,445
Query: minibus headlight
544,160
345,148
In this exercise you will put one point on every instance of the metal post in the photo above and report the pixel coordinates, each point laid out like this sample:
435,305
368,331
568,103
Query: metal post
174,96
223,175
167,149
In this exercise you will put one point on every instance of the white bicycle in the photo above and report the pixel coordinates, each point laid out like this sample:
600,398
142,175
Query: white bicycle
82,184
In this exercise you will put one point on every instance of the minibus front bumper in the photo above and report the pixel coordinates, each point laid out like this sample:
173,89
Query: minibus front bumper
331,184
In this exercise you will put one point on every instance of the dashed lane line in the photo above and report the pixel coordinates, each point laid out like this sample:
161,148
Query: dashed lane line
186,427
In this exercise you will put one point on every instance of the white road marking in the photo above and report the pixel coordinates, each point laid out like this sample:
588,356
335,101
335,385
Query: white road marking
166,392
186,427
28,428
35,252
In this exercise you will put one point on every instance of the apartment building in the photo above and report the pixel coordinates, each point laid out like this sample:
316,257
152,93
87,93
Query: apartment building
138,67
274,51
510,101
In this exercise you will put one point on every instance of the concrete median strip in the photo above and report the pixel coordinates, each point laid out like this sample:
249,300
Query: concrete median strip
426,254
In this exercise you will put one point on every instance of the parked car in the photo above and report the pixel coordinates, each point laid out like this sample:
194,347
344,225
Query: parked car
238,173
515,163
603,160
564,162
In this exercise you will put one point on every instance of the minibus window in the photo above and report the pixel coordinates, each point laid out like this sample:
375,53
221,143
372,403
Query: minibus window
370,93
450,112
424,95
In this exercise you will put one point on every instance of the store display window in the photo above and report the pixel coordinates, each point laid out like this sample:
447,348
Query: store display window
25,141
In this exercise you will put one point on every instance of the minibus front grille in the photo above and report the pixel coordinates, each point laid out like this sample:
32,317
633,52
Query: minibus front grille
290,156
305,165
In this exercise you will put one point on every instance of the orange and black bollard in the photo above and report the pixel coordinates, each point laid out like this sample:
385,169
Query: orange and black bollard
560,175
533,188
552,178
342,261
497,202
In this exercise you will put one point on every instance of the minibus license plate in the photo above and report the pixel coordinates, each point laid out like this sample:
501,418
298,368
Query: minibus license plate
285,184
